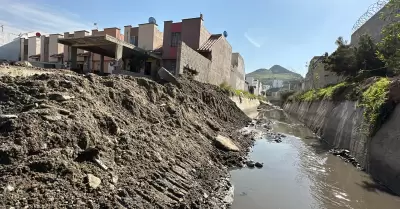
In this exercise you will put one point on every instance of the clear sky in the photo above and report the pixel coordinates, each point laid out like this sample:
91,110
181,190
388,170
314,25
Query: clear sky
265,32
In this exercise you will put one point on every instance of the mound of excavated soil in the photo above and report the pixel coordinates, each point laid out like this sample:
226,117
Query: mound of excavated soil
73,141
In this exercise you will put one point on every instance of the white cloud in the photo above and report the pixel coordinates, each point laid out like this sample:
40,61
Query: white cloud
17,17
252,41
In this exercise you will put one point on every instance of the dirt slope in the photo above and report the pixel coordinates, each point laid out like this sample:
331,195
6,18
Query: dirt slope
144,145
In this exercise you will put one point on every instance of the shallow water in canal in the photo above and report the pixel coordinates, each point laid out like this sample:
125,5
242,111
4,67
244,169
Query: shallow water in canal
299,173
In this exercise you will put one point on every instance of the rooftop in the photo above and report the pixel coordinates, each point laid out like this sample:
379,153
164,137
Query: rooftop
104,45
207,46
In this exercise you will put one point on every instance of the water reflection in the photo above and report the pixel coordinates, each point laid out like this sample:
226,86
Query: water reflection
299,173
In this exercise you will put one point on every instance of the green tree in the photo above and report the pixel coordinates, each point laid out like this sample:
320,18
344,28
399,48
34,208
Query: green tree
342,61
366,56
340,41
350,61
389,47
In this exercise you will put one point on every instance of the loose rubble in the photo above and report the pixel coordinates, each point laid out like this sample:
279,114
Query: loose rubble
345,155
73,141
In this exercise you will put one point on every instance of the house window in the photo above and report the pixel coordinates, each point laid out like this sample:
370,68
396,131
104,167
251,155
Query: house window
175,39
173,67
133,40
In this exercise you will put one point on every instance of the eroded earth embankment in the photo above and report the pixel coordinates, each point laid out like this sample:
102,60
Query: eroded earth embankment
74,141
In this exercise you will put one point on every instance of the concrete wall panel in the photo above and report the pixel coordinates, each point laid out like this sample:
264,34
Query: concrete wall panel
341,125
221,62
187,57
373,27
11,50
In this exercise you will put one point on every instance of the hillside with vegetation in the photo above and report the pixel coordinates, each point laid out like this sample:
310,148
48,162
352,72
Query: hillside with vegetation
275,72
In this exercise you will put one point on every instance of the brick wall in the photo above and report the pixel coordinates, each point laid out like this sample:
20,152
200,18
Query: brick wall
187,57
221,57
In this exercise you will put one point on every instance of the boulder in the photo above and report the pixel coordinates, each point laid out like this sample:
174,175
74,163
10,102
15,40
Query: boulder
259,165
23,64
93,181
250,164
225,143
165,75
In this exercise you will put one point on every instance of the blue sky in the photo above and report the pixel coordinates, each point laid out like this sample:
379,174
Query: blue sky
265,32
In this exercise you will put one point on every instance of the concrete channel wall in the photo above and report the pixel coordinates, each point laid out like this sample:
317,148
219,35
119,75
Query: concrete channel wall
341,126
248,106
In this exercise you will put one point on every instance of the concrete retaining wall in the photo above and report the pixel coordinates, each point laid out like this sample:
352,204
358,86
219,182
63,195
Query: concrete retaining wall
248,106
372,27
340,125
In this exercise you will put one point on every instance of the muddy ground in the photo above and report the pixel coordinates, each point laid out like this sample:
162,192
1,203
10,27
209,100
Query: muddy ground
85,141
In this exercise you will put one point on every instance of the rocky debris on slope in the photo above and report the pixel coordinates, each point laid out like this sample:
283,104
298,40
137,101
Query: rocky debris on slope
78,141
252,164
226,143
346,156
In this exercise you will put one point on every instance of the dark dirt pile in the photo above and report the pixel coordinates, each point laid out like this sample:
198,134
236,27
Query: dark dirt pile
74,141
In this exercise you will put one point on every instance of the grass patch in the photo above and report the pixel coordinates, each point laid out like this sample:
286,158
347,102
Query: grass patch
327,93
373,101
372,96
236,92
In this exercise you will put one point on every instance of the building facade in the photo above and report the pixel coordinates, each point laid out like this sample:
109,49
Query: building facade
277,83
254,86
185,46
237,72
318,77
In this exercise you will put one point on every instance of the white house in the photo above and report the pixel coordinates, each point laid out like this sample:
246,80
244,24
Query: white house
277,84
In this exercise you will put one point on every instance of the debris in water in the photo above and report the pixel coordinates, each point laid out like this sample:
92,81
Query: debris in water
259,165
345,155
250,164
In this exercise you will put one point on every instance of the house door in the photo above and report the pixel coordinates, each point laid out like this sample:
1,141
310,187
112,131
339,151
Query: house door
147,68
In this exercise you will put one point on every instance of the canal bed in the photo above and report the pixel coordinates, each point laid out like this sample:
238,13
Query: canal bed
299,173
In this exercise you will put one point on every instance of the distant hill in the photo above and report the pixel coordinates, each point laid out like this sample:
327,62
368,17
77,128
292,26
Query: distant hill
275,72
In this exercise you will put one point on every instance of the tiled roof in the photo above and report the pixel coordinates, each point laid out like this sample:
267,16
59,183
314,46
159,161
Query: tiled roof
207,46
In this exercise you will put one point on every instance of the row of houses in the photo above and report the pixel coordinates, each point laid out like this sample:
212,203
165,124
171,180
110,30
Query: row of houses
256,87
183,47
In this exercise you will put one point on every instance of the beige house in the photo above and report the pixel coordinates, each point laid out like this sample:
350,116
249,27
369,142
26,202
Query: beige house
185,46
148,37
34,48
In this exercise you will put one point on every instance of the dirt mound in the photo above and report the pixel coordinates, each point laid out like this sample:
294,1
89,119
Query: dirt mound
74,141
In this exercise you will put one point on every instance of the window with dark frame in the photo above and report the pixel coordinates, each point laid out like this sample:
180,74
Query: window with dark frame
173,67
175,39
